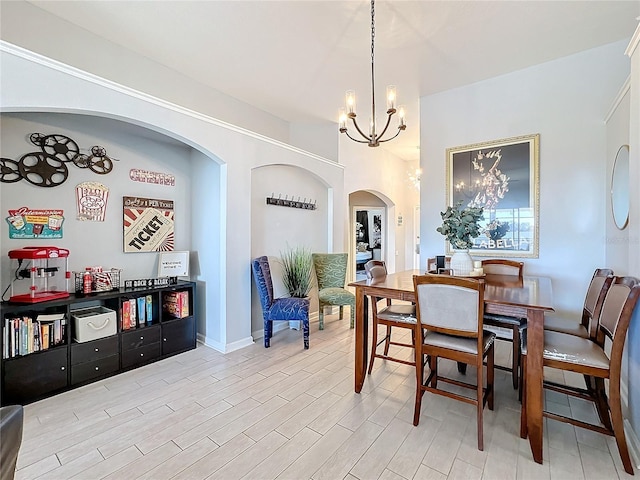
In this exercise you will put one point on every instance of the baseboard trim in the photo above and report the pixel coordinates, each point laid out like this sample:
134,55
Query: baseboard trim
277,327
225,347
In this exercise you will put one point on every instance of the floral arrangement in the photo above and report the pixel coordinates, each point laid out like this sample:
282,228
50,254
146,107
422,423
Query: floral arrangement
496,229
460,225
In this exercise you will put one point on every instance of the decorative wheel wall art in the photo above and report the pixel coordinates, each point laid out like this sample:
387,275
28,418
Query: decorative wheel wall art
47,168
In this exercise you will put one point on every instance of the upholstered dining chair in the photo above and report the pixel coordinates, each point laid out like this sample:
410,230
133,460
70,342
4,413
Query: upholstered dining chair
11,424
598,287
401,316
505,327
589,357
287,308
451,310
331,273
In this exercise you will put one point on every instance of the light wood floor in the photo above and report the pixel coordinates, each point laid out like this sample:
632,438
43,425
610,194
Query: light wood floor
288,413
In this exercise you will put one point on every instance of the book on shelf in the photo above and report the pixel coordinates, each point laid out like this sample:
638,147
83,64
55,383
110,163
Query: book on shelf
133,318
25,335
149,307
142,310
126,315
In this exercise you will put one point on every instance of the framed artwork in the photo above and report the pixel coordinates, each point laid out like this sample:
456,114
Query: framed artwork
502,176
148,225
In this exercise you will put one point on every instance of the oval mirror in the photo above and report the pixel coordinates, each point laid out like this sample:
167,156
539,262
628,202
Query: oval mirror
620,188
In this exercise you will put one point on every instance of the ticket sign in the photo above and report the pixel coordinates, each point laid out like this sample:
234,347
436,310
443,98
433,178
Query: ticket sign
148,225
25,222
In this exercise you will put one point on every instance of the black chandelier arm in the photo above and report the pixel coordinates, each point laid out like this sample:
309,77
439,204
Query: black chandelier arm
355,124
346,132
397,133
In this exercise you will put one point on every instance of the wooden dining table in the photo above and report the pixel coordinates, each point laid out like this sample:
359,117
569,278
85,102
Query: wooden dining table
524,297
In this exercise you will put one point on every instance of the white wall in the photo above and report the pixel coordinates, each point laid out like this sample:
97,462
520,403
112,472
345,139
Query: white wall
95,243
34,83
566,102
30,27
616,240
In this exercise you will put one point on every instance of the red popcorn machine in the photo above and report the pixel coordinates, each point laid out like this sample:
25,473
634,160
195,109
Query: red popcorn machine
46,269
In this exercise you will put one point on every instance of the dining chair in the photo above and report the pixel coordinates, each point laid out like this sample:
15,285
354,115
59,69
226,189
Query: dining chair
451,310
589,357
331,273
401,316
273,309
598,287
505,327
432,264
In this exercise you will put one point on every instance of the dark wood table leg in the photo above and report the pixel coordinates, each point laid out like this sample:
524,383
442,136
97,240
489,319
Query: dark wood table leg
535,347
362,334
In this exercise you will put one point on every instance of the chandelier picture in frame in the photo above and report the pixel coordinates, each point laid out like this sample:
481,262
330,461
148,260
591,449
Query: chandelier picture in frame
501,176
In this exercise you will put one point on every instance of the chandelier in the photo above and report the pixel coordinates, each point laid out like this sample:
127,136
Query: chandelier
373,139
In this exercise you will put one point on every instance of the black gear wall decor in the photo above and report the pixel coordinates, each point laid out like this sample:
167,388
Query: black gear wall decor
47,168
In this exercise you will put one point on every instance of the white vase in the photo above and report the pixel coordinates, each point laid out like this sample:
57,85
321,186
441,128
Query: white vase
461,263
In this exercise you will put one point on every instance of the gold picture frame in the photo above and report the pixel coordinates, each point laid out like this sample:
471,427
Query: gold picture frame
502,176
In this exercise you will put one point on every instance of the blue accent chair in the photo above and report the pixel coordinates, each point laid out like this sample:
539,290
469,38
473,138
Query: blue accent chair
288,308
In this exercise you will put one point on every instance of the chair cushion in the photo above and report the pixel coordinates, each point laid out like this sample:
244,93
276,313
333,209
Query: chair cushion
569,326
502,320
336,296
398,313
571,349
461,344
289,308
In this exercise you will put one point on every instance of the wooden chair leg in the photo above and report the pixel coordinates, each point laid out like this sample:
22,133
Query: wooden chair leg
516,356
618,424
479,401
374,344
419,380
341,311
321,318
387,340
602,406
433,366
523,408
490,376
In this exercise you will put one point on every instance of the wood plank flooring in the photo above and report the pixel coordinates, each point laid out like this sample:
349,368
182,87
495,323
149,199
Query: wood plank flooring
286,413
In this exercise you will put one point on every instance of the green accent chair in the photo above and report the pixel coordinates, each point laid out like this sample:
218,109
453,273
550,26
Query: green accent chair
331,272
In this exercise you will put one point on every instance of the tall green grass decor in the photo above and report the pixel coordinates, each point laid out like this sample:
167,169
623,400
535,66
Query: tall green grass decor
297,267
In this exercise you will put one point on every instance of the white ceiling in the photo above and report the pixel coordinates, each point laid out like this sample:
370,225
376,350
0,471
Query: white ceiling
296,58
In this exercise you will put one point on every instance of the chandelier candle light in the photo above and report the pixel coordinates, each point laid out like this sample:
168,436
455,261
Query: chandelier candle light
373,139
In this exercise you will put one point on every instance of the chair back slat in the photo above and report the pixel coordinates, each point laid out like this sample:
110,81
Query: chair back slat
450,305
499,266
331,269
615,315
595,289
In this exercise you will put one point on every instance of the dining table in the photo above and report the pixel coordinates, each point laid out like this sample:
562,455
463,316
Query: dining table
522,297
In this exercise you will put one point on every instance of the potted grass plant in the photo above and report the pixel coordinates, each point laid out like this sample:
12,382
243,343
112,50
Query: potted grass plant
297,271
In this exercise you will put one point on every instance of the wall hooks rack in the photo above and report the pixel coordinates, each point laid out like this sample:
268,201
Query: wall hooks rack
291,202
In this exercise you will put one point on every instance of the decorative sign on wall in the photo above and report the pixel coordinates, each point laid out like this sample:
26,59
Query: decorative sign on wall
148,225
91,201
145,176
27,223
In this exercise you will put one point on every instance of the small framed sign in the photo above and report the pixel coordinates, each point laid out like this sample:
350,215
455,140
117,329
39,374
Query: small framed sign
173,264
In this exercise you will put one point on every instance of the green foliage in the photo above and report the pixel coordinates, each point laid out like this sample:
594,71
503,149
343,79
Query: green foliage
460,226
297,267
